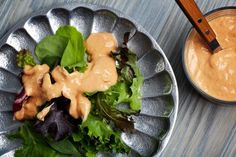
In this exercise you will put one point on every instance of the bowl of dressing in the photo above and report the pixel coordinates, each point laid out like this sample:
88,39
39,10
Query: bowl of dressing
213,74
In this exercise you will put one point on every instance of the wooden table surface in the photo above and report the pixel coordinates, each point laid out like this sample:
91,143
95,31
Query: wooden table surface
203,128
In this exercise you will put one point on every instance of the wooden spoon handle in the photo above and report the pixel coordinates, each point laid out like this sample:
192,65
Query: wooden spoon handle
197,19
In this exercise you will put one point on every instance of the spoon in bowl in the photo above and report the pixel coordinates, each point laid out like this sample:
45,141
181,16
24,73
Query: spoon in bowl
195,16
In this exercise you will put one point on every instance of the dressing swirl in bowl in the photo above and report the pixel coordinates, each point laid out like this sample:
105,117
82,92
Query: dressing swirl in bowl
215,74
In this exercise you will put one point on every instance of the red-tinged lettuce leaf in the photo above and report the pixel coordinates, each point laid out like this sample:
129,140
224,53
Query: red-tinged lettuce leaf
58,123
19,99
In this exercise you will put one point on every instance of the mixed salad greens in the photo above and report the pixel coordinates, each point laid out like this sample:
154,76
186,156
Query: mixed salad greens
62,135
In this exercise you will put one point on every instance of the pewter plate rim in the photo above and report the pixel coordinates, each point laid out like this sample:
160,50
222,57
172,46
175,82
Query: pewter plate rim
168,68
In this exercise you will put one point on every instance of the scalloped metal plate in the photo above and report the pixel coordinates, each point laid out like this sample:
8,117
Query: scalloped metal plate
154,125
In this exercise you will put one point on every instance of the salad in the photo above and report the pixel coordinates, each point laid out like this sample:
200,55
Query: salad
78,95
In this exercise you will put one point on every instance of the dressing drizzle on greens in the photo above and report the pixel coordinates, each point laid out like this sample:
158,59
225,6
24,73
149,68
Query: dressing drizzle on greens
62,135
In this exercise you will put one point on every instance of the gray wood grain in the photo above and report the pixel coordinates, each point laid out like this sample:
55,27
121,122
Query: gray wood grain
202,128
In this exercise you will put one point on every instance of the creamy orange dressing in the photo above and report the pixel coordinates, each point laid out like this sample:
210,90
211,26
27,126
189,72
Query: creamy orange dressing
32,80
41,115
99,76
215,73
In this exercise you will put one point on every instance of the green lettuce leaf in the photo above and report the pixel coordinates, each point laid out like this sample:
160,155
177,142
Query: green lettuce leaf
97,135
97,128
91,153
129,70
24,57
135,98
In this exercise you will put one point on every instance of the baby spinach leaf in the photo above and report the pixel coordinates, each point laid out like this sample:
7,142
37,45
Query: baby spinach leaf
51,49
72,58
63,146
66,48
73,35
36,144
74,54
